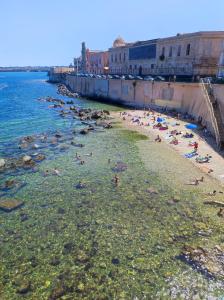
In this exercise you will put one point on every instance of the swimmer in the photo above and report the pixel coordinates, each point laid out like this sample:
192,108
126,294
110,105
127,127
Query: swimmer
82,162
116,180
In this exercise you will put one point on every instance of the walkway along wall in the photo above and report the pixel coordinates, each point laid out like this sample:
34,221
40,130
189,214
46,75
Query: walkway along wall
185,97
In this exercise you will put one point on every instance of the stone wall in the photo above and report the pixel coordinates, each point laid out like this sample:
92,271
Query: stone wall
187,97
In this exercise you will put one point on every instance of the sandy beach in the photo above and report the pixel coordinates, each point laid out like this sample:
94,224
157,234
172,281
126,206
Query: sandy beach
146,122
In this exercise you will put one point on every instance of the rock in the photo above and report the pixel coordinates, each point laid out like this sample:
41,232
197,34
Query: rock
2,163
28,139
23,217
24,287
27,158
84,131
35,146
115,261
82,257
40,157
8,205
152,191
207,261
10,184
81,185
120,167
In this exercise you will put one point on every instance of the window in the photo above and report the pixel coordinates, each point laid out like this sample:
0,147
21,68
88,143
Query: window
152,66
188,49
130,67
179,50
171,51
115,57
135,66
124,57
163,51
112,58
120,57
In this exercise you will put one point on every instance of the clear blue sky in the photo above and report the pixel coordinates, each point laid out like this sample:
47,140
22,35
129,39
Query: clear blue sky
49,32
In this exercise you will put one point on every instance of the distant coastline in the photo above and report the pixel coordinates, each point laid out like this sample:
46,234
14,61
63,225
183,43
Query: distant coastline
24,69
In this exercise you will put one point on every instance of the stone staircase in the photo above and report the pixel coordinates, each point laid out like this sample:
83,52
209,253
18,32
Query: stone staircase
215,112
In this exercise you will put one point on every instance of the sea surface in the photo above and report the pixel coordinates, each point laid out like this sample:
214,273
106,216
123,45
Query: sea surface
80,236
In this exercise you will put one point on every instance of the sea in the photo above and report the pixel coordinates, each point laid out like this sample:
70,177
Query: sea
78,235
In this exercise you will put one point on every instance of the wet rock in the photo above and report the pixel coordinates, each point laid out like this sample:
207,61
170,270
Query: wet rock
8,205
35,146
33,262
152,191
68,247
81,185
24,217
9,183
24,286
207,261
28,139
120,167
115,261
2,163
40,157
84,131
82,257
27,158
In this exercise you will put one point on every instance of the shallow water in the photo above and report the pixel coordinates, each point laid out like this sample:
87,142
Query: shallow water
101,241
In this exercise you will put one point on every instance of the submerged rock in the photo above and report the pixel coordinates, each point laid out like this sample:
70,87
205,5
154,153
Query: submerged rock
84,131
24,286
120,167
40,157
8,205
207,261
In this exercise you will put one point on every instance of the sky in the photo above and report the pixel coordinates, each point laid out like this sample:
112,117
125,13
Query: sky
50,32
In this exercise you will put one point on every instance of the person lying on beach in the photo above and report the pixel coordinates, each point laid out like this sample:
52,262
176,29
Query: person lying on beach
188,135
201,179
174,141
213,193
158,139
194,182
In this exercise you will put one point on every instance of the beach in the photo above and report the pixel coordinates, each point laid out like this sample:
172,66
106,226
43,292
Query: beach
183,146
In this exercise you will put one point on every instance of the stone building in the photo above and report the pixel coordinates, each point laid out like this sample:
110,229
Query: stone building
189,54
93,61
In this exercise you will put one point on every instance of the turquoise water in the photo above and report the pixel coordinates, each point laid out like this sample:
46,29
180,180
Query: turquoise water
100,241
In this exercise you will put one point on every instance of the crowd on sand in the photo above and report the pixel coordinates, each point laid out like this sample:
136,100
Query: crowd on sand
183,133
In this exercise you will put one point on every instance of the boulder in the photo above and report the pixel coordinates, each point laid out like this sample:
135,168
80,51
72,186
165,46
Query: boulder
84,131
8,205
27,158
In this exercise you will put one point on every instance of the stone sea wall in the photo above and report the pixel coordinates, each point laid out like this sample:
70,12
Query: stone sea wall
185,97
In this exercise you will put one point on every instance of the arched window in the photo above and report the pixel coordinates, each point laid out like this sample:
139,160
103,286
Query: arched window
124,57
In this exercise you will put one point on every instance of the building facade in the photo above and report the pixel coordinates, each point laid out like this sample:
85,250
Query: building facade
93,61
190,54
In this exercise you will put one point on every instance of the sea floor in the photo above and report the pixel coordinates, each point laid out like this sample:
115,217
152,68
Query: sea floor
81,236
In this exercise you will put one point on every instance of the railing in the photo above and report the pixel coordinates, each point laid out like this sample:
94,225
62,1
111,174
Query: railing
208,90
